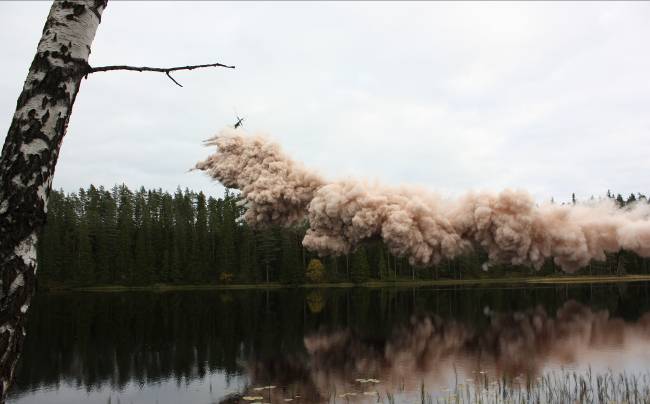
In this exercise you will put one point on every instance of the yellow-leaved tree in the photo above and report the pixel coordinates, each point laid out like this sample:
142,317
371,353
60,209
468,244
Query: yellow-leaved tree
315,271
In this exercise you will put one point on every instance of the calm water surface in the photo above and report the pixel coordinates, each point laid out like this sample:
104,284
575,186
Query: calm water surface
218,346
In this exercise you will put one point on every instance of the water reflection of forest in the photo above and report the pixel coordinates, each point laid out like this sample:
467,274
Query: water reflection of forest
315,339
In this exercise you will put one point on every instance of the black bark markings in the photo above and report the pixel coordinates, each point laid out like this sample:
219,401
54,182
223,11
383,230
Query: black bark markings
25,181
25,177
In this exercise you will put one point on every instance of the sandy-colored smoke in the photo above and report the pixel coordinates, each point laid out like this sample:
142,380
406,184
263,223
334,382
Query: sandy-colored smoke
418,224
277,190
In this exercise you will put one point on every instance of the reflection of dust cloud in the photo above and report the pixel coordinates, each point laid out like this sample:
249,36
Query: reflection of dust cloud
431,349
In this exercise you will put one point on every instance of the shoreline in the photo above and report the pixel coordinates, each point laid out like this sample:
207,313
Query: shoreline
550,280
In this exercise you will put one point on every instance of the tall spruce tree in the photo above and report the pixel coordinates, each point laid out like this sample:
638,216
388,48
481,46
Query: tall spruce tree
291,269
247,255
143,253
214,228
228,252
125,228
382,266
360,268
268,247
201,239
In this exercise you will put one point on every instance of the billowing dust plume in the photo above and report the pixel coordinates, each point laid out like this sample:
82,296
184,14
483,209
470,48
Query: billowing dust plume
415,223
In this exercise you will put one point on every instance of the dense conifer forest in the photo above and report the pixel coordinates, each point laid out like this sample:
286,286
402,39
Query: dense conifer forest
100,236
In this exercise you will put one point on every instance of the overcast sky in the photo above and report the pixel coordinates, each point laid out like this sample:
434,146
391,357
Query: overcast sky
549,97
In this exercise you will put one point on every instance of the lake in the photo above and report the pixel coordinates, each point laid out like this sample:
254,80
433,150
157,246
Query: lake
331,345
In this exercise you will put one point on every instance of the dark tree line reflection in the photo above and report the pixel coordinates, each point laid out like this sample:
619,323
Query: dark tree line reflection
311,340
429,347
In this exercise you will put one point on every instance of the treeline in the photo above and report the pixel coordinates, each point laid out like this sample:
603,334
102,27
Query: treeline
118,236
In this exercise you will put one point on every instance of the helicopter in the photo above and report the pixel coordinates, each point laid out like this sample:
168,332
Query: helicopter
239,123
240,120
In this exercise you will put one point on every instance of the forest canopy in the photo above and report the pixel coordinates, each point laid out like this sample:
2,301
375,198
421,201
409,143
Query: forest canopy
120,236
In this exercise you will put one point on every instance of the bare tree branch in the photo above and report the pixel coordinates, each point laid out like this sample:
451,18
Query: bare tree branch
166,70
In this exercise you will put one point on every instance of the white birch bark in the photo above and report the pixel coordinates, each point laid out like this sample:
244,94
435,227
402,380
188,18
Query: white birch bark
29,157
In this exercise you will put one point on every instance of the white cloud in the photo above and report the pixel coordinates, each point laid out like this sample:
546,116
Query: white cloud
551,97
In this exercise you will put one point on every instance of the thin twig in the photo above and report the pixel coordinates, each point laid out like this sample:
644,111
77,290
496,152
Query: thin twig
166,70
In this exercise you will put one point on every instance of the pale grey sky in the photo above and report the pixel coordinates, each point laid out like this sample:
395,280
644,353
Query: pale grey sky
549,97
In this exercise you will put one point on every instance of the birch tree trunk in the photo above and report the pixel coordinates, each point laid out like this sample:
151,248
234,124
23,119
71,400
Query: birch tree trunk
28,159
